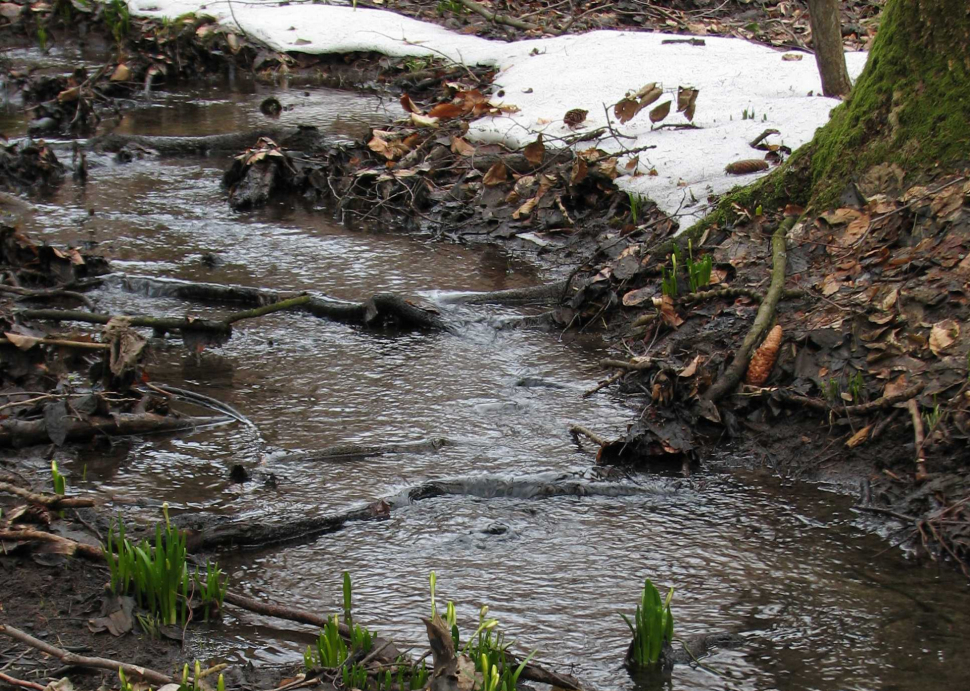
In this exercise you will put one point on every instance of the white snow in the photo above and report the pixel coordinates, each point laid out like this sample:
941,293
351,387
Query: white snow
547,77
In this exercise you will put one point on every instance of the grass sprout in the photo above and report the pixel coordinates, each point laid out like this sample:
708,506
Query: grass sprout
652,626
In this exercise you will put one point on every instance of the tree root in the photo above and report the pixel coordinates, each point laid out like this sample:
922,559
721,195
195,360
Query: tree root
766,314
70,658
19,433
380,309
67,546
881,403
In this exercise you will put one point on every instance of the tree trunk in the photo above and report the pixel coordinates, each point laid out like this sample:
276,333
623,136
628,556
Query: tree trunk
827,42
909,107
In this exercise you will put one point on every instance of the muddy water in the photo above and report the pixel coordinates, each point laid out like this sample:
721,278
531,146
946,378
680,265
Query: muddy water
819,600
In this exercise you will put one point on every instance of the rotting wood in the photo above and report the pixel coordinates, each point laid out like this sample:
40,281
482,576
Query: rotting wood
349,451
26,432
157,323
74,659
233,143
547,292
766,314
70,547
54,501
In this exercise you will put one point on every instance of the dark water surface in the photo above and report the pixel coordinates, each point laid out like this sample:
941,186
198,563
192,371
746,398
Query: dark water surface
821,602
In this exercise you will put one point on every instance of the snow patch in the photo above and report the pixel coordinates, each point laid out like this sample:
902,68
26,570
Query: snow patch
744,88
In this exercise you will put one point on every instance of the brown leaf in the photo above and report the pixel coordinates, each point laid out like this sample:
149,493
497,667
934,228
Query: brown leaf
763,360
535,152
638,296
579,171
858,437
69,95
686,101
526,208
409,105
855,230
625,109
461,147
496,175
691,369
669,313
446,111
943,335
122,73
424,120
746,167
897,386
839,216
660,112
21,341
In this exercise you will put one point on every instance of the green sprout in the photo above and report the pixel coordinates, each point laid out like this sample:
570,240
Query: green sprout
698,273
652,626
635,206
60,483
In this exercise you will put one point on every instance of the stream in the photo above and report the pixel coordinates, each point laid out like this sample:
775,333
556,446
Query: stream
821,599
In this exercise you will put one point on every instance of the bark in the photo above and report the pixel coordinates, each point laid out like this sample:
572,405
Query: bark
909,106
827,42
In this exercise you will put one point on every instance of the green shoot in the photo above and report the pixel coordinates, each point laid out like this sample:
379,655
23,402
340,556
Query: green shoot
348,598
433,580
698,273
652,626
60,484
635,203
117,19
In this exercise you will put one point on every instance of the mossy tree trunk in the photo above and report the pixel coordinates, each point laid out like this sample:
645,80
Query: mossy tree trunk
910,106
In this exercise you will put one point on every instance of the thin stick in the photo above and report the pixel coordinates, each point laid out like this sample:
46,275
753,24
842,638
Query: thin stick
913,408
21,682
70,658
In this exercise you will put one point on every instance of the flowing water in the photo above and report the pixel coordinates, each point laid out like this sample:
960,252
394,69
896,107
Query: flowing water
819,599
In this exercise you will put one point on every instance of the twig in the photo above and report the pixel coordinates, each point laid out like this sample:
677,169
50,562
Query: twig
70,658
54,501
913,408
498,18
64,343
603,384
21,682
881,403
579,430
72,546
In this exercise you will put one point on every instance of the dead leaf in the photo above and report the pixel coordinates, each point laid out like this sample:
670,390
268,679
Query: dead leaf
638,296
691,369
858,437
446,111
579,171
943,335
21,341
625,110
122,73
686,101
791,57
424,120
895,387
669,313
855,230
409,105
496,175
660,112
69,95
461,147
535,152
840,216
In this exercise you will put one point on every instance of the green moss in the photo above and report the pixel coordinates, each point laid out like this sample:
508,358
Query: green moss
911,104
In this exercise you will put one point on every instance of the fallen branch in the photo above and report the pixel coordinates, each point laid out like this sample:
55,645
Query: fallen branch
578,430
881,403
348,451
548,292
68,547
157,323
732,293
766,314
63,343
19,433
54,501
73,659
498,18
626,365
606,382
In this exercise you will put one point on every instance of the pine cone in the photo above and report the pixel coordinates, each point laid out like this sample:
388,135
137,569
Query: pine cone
763,360
575,117
746,167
